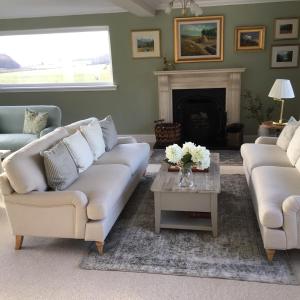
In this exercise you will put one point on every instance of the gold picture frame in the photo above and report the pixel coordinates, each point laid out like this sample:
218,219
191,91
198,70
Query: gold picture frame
250,38
199,39
146,43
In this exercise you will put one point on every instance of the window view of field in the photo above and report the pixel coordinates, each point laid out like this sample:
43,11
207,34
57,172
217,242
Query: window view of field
55,58
198,39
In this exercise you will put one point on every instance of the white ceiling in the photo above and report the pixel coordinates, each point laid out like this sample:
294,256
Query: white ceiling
42,8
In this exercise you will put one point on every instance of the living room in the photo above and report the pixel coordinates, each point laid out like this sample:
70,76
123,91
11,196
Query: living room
113,228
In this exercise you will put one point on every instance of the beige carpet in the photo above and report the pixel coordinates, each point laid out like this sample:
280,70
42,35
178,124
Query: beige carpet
48,269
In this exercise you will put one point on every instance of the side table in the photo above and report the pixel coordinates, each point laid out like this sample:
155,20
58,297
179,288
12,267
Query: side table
267,128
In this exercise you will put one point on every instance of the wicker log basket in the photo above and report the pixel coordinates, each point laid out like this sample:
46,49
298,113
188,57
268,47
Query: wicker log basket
167,133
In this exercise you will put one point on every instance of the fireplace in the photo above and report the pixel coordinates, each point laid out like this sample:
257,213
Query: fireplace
202,115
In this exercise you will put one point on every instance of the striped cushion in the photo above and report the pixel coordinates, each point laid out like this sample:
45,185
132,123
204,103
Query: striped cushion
60,167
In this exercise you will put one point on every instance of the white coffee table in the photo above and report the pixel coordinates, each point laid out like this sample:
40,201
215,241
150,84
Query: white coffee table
172,202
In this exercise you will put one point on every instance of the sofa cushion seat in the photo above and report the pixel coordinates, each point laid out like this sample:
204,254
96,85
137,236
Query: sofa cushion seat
103,186
15,141
131,155
256,155
272,186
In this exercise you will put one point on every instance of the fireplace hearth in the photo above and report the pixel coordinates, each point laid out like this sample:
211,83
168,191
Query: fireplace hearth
202,115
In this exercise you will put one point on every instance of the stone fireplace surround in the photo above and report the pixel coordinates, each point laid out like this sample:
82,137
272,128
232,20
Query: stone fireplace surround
200,79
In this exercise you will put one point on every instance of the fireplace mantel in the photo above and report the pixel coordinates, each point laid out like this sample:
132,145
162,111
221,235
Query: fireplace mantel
229,78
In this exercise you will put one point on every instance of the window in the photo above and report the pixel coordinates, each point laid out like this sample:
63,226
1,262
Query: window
69,58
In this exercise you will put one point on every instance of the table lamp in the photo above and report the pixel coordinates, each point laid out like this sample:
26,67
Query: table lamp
281,90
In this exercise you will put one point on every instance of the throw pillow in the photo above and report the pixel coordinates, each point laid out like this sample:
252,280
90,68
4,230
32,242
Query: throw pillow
93,134
287,134
60,168
79,150
110,134
34,122
293,150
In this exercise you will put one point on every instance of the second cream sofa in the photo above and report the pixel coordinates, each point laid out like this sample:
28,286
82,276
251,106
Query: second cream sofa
275,186
88,208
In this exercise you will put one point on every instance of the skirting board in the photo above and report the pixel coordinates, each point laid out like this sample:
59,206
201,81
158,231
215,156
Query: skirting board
150,138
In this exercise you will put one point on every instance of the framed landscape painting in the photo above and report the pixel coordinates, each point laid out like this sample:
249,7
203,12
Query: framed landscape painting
286,29
145,43
285,56
248,38
198,39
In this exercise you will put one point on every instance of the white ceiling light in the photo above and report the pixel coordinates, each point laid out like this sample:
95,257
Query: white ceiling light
194,8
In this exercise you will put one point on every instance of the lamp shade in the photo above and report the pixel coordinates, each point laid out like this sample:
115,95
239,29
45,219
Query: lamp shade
282,89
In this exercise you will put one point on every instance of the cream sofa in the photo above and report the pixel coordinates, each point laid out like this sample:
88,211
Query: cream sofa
85,210
275,187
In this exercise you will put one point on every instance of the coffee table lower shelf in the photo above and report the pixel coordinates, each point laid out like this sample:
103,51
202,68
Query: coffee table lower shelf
182,220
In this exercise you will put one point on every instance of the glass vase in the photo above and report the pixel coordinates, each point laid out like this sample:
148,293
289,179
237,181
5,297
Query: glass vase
185,177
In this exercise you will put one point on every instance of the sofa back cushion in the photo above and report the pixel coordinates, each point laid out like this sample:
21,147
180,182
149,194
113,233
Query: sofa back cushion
93,134
73,127
293,150
25,167
12,117
287,134
60,167
109,131
79,150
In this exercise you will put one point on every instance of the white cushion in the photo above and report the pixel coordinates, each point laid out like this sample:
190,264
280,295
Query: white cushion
93,134
256,155
25,167
73,127
103,186
293,150
131,155
272,186
79,150
287,134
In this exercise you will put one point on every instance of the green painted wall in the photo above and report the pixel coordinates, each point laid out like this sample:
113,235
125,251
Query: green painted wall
134,104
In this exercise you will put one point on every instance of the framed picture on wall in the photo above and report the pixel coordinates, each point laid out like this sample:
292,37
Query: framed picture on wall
248,38
285,56
145,43
198,39
286,29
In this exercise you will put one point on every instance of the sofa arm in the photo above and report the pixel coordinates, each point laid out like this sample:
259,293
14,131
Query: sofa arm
47,130
270,140
291,217
58,213
126,140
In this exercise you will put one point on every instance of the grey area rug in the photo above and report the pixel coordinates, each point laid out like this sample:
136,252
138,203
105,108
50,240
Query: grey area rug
227,157
237,252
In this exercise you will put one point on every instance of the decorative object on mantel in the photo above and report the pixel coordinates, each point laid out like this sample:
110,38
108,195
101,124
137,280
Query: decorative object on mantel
185,158
285,56
248,38
256,109
286,28
198,39
185,5
168,65
281,90
145,43
166,133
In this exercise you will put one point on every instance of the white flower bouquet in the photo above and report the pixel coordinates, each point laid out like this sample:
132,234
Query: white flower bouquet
188,156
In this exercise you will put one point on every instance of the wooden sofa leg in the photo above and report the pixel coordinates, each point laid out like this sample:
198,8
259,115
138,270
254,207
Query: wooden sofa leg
19,242
100,246
270,254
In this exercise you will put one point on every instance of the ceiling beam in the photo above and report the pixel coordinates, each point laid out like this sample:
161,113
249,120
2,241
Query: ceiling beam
136,7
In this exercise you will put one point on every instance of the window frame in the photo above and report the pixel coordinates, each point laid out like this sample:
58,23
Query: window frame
56,87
